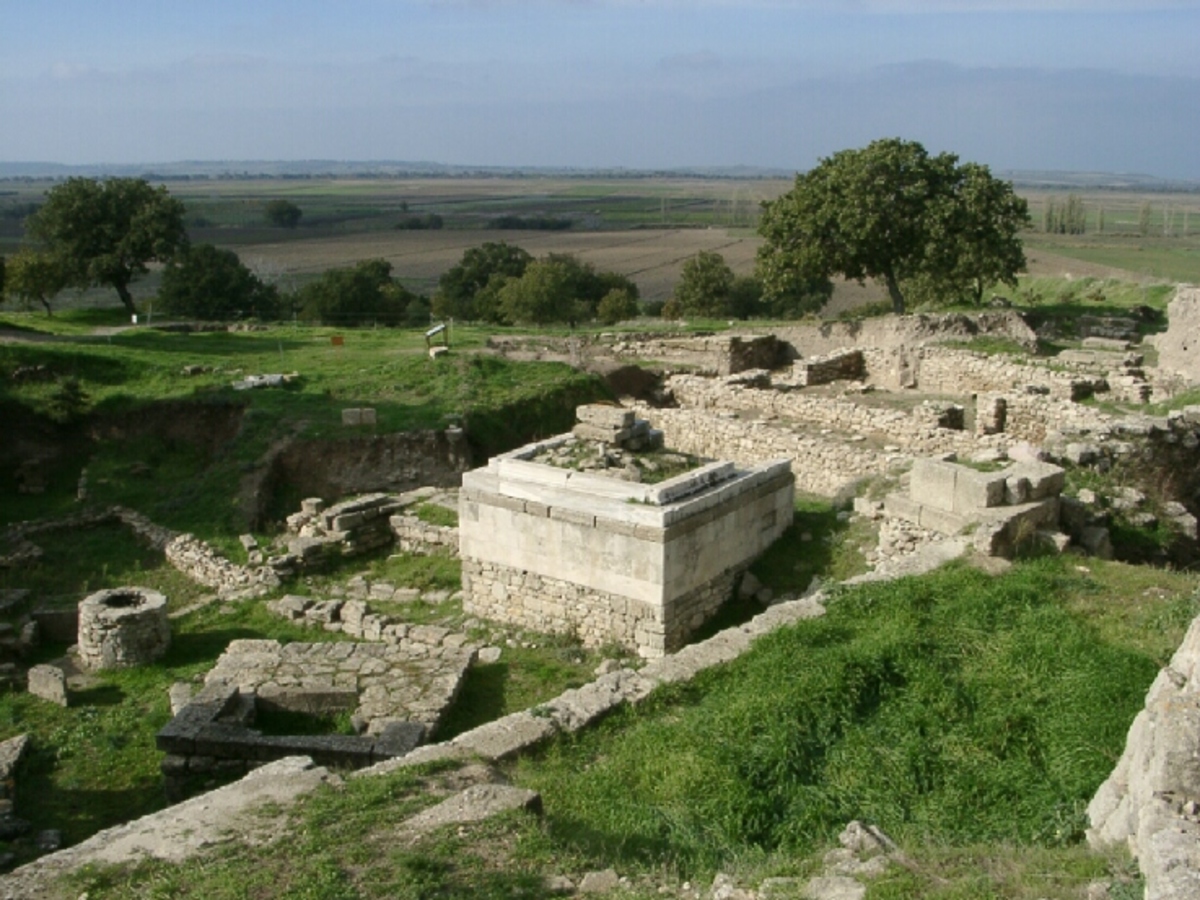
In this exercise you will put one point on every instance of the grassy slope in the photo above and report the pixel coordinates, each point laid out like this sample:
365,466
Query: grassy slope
971,717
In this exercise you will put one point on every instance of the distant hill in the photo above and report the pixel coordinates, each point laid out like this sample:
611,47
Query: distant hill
332,168
327,168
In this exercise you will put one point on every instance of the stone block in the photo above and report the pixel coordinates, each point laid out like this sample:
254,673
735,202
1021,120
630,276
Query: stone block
943,521
978,490
932,483
48,683
588,432
603,416
352,416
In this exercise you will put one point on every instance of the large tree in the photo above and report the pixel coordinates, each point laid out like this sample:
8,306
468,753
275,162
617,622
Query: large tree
205,282
363,295
106,232
478,276
891,212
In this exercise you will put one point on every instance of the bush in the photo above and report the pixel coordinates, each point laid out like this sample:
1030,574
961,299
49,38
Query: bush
208,283
363,295
616,305
283,213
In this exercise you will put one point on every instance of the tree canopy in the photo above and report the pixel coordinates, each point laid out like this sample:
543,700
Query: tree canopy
365,294
205,282
106,232
892,212
33,277
558,288
283,213
705,287
460,287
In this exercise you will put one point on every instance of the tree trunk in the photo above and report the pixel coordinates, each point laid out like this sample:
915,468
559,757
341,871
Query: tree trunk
46,303
126,297
893,288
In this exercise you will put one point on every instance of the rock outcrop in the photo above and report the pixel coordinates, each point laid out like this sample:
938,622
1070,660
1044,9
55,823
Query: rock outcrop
1152,799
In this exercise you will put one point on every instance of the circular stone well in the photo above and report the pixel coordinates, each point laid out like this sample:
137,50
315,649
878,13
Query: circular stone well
121,627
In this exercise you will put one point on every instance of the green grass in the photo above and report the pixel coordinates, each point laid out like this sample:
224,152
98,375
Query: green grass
77,562
436,514
956,708
969,716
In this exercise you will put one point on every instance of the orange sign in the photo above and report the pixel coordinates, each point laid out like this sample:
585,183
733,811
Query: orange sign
337,340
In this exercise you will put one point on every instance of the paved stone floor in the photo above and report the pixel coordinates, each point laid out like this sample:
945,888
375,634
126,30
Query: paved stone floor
381,682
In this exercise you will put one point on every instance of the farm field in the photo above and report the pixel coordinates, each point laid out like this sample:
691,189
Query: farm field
644,228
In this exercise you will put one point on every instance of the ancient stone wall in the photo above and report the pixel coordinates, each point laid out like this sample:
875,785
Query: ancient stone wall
1179,346
416,536
893,332
386,462
945,370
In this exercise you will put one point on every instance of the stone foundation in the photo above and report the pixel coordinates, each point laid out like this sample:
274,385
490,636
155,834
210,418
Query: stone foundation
608,559
538,602
123,627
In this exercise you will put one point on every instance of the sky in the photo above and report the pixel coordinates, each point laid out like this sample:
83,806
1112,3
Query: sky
1108,86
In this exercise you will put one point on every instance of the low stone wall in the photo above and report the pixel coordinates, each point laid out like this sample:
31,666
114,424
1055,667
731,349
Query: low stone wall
892,332
841,365
946,370
416,536
820,465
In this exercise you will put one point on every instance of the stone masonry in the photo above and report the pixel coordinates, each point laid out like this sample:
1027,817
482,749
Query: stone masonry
613,560
123,627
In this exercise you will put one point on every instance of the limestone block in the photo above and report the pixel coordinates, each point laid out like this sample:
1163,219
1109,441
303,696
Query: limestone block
48,683
605,417
932,483
978,490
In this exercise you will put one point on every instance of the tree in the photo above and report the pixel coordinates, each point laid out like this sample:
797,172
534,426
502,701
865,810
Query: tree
207,283
975,235
283,213
705,286
460,286
890,212
363,295
34,277
545,293
105,232
616,305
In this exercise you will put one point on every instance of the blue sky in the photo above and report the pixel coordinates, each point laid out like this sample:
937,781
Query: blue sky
1060,84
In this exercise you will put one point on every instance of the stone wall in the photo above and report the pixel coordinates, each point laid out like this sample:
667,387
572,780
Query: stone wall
416,536
893,332
841,365
386,462
597,618
945,370
1178,346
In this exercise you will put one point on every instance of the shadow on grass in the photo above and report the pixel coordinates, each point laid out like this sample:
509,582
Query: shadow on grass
479,700
100,695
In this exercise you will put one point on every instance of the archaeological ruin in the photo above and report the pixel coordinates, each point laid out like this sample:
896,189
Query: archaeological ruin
610,559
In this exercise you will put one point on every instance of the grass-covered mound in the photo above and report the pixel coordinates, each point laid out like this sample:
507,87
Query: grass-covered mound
955,708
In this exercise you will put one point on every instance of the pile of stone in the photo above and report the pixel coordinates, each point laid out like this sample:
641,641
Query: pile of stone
354,618
352,527
616,427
